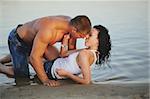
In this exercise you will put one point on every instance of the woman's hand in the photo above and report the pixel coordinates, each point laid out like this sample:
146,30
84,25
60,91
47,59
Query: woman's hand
66,37
62,72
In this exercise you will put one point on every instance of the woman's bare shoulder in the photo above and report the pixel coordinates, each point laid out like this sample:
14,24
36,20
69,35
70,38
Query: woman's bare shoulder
84,53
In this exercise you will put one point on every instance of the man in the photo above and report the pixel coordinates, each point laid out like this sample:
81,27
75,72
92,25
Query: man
32,39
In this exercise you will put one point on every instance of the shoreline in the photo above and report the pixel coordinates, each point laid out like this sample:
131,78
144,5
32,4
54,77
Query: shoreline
69,90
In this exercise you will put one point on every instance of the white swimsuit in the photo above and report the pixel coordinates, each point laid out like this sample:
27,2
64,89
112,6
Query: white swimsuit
69,64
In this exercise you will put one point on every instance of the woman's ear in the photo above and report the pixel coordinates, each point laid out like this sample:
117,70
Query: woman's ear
87,36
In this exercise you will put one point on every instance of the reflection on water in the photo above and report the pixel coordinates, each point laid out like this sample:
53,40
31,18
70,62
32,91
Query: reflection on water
127,24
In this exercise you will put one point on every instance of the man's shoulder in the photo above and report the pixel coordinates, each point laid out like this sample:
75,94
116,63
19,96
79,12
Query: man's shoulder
64,16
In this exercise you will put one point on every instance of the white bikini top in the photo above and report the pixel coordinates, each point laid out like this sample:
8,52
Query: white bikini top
69,64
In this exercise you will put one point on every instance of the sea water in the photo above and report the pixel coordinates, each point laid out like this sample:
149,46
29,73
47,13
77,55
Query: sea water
126,21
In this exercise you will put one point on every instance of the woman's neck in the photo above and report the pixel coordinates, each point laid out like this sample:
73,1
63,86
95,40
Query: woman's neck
93,48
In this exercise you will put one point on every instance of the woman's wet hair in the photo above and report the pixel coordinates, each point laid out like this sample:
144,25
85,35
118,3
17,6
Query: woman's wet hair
104,47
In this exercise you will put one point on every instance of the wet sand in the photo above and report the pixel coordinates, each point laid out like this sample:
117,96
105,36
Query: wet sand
69,90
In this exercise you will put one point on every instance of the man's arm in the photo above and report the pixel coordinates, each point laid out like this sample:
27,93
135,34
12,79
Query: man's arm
39,45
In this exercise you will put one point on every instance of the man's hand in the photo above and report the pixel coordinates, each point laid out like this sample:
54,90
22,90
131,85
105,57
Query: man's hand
51,83
62,72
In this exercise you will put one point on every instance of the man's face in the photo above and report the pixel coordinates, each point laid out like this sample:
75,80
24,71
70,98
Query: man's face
75,34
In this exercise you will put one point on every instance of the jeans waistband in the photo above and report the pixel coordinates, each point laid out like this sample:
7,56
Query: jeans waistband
48,66
16,34
20,39
15,39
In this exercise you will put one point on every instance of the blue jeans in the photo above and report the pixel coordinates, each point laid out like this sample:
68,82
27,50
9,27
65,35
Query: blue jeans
19,51
47,67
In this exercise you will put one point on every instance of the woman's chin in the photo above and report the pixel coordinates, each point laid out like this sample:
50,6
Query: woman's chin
86,46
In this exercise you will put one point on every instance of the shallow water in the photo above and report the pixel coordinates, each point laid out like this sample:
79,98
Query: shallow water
128,27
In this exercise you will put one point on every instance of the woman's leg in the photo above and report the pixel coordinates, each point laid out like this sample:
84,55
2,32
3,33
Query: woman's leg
7,70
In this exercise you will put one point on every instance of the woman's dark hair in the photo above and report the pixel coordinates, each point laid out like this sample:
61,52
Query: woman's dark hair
104,44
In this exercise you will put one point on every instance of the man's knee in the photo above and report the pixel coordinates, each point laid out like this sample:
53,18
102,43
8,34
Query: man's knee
51,53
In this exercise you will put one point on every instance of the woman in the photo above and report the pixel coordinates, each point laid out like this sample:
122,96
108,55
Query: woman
98,51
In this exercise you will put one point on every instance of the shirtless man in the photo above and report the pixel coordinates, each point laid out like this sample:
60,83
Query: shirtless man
32,38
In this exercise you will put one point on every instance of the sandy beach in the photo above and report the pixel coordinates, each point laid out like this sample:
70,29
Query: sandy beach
69,90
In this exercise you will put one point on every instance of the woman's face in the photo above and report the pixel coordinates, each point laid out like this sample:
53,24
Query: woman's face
92,39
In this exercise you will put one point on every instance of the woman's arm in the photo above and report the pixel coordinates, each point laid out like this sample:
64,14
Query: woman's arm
65,51
64,46
64,73
83,60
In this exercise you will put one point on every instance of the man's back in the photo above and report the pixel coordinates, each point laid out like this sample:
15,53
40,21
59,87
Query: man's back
51,24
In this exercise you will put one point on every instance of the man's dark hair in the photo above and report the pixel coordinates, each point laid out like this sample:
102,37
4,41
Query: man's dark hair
81,23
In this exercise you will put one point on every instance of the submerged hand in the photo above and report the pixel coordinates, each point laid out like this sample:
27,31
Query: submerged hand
51,83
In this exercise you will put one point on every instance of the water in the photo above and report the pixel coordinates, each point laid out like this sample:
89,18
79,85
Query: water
127,23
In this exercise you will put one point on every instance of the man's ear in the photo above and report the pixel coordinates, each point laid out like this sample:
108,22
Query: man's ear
74,30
